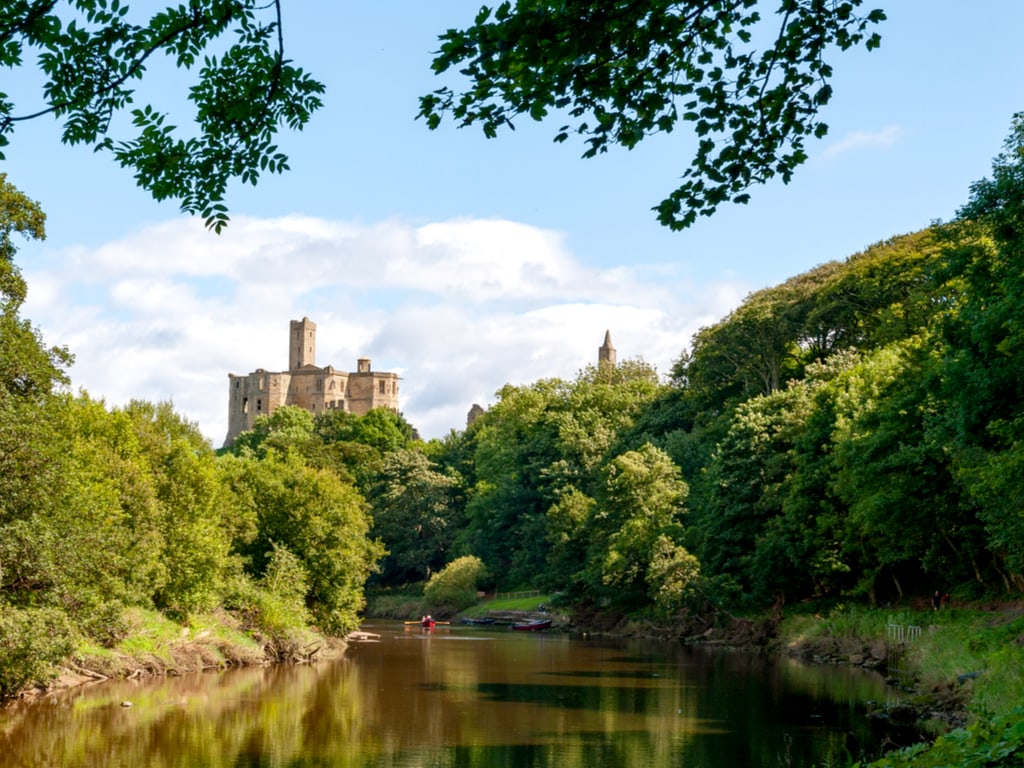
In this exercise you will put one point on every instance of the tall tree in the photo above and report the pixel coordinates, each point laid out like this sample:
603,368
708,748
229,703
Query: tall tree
903,504
982,372
94,54
637,524
413,516
620,71
27,367
318,518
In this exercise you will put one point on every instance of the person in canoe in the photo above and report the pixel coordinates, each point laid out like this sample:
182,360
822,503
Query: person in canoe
427,622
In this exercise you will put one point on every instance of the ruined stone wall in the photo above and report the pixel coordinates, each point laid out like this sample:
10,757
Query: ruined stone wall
252,395
370,389
317,389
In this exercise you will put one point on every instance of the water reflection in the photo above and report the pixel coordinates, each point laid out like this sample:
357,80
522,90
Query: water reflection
461,697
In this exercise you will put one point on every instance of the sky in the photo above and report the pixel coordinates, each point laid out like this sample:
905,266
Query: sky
464,263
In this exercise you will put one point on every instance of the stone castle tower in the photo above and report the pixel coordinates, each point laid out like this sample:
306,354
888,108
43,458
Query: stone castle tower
306,385
606,352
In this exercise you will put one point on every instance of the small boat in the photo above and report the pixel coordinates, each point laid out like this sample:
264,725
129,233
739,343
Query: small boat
532,626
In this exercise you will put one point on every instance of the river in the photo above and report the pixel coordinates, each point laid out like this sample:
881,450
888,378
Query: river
463,697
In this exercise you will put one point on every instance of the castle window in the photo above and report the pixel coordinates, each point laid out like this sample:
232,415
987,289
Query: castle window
245,405
259,406
383,387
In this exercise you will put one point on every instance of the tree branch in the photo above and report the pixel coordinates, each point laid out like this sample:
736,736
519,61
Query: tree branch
196,21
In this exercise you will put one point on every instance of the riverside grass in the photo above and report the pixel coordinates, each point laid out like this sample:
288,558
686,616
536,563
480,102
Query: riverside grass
411,605
976,651
155,644
977,646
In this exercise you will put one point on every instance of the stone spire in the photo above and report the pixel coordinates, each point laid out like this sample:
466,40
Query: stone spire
606,352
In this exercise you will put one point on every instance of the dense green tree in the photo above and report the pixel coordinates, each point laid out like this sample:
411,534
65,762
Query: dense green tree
753,351
986,340
90,544
33,643
567,521
617,72
317,517
380,428
637,521
808,536
355,446
672,575
746,486
908,520
414,516
94,55
884,294
195,522
538,444
454,456
288,428
27,367
515,443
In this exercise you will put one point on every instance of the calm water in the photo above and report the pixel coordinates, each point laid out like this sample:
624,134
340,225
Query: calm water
462,696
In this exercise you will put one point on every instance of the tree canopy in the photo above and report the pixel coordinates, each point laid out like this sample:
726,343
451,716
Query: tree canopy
93,55
618,72
750,82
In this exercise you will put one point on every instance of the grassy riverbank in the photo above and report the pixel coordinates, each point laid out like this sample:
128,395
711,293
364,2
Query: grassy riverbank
962,668
155,645
977,650
412,604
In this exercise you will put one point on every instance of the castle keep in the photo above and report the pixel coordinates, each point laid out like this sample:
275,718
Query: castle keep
306,385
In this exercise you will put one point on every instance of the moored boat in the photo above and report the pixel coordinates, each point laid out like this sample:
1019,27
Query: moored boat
532,626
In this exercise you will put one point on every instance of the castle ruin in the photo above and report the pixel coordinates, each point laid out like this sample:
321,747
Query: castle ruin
307,386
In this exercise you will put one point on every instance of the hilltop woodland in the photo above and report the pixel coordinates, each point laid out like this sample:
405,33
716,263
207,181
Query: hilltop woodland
854,433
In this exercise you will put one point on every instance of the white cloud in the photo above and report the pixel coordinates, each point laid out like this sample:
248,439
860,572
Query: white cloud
858,140
458,308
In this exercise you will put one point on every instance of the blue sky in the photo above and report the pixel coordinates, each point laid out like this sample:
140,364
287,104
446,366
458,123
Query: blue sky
465,263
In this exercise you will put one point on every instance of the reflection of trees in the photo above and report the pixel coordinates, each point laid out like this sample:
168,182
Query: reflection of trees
443,700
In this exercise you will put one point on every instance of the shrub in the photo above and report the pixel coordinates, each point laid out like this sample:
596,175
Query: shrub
454,587
275,608
991,742
33,641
